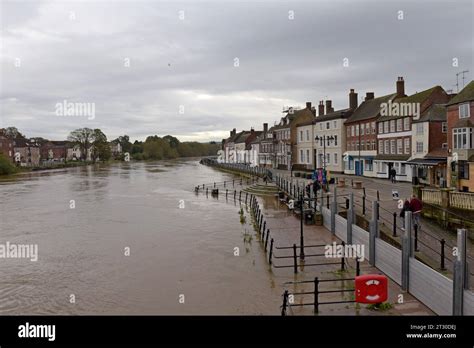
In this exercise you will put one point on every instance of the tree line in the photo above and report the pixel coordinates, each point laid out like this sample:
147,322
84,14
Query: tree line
95,141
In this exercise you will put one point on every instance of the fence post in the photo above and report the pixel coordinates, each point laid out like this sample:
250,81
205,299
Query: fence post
334,212
271,252
295,262
285,300
373,233
350,217
442,241
316,295
264,226
266,239
407,251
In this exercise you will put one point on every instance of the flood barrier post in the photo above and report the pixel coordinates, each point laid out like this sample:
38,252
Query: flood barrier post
406,251
295,263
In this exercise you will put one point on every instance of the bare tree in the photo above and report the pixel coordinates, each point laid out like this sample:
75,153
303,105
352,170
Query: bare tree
82,137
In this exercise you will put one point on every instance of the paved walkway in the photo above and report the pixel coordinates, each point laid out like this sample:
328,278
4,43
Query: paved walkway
285,229
430,233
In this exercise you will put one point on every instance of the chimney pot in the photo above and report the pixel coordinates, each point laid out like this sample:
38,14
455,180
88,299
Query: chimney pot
400,87
369,95
320,108
353,101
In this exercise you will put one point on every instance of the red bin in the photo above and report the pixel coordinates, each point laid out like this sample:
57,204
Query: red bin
371,288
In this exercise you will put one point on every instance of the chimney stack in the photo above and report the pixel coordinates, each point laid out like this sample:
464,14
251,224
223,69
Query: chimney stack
252,130
320,108
329,106
400,87
369,95
353,102
308,105
265,128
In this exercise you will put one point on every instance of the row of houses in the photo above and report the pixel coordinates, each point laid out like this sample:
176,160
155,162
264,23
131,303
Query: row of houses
34,153
425,138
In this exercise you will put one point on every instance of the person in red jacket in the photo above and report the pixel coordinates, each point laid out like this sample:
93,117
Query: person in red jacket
416,206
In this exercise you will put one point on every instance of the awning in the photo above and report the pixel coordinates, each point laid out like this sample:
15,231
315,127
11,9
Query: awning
426,162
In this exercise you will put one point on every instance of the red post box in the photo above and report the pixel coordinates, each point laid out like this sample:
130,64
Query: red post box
371,288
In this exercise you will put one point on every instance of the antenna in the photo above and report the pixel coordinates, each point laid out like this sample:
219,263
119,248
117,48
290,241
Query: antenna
457,79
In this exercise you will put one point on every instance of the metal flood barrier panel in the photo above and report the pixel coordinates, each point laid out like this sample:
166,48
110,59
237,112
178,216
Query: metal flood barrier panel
341,228
361,236
326,218
431,287
389,260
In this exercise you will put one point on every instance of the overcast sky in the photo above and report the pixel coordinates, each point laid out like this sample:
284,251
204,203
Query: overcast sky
288,53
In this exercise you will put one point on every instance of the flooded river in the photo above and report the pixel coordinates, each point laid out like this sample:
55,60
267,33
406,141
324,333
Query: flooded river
129,238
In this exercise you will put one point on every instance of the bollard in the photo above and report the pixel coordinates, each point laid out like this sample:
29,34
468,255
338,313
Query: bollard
246,198
394,223
235,193
316,293
266,239
363,205
240,196
442,241
207,189
347,203
357,266
295,264
264,226
378,195
226,192
271,252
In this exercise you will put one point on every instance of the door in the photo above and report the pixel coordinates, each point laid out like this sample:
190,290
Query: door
390,166
359,168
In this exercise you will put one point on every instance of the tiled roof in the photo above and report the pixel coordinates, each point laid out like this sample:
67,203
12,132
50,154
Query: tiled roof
369,108
418,98
466,94
343,113
436,112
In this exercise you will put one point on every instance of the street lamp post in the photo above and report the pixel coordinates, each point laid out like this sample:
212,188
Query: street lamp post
324,138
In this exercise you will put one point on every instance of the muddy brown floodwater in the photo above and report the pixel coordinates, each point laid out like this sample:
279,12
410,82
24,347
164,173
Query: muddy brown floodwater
173,251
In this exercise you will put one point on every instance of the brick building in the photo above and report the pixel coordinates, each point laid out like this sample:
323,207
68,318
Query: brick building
394,131
460,116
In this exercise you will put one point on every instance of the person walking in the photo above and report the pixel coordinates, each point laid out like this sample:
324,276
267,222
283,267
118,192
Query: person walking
416,206
405,208
393,175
